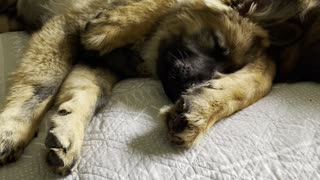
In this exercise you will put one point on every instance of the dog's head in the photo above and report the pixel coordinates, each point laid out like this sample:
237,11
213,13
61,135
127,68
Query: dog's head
198,41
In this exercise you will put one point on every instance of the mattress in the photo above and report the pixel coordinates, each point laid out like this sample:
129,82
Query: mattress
276,138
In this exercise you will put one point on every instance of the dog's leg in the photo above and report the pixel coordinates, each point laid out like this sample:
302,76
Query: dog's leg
123,24
84,91
205,104
44,65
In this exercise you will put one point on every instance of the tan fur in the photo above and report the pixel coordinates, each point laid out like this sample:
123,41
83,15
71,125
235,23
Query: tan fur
76,104
106,25
247,43
234,32
138,18
23,110
204,105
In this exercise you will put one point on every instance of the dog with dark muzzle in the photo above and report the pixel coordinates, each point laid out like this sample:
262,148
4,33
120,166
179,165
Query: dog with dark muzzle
214,58
187,61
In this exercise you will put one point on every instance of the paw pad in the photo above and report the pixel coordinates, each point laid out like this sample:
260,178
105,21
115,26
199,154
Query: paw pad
54,160
52,141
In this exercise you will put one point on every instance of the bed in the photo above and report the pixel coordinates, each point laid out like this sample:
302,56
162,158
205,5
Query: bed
276,138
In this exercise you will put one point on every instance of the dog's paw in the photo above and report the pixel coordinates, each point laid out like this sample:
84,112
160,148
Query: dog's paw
184,128
64,151
11,147
195,112
111,29
64,141
14,137
107,31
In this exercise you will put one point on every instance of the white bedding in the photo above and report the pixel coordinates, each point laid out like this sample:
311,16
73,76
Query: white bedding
276,138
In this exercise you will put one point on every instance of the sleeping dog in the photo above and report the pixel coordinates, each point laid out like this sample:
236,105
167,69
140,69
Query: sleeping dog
214,57
189,63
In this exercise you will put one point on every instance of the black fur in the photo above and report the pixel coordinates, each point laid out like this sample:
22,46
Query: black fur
53,142
185,61
54,160
123,61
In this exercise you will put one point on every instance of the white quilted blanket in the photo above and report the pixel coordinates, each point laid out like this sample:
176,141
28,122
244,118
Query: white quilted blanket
276,138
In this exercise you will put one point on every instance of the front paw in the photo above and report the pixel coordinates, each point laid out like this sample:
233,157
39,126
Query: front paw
64,153
14,136
184,129
64,141
107,31
11,147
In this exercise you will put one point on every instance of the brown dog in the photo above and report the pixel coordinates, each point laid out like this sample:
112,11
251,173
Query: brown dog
147,27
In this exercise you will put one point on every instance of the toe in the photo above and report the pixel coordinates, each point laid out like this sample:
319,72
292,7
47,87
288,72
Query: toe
52,141
55,142
54,160
10,151
62,163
